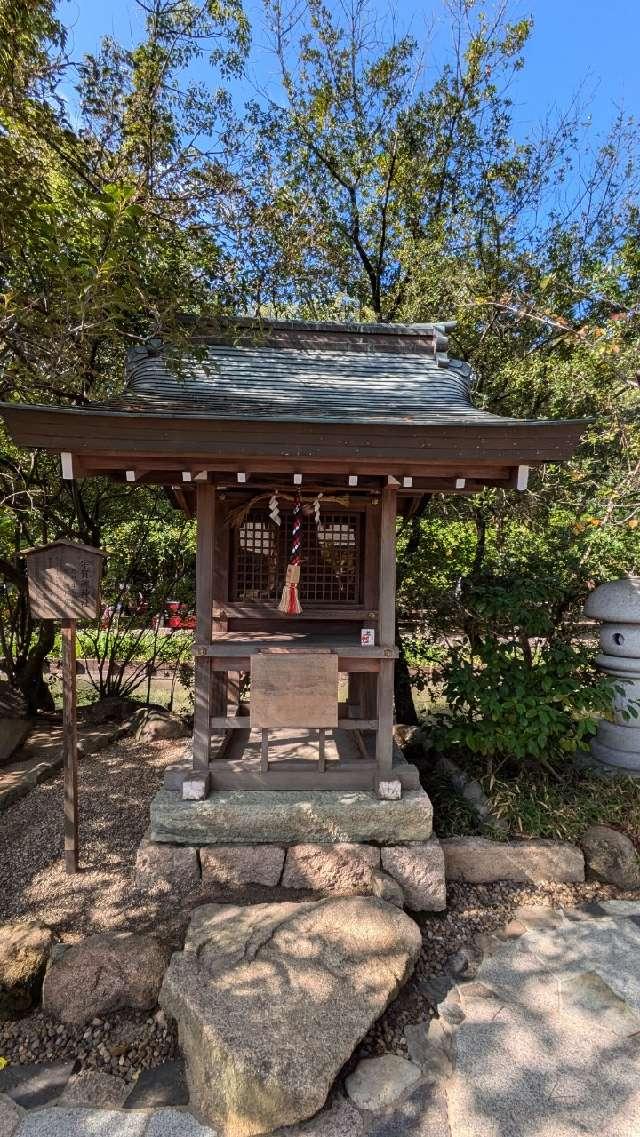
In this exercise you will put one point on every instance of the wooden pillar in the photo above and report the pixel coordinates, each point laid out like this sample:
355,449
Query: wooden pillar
70,745
205,521
386,631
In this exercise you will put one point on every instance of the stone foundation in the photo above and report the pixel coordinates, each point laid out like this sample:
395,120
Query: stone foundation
410,876
274,817
479,861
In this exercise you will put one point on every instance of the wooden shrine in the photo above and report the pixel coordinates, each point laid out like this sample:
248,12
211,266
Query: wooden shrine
296,446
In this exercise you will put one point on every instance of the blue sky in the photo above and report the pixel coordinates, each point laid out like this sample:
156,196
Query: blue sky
577,45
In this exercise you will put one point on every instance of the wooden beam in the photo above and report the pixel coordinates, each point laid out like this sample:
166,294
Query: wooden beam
386,631
321,750
241,722
389,445
387,569
205,514
230,649
268,466
247,773
70,745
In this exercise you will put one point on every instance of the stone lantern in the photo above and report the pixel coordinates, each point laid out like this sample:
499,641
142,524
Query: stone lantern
617,605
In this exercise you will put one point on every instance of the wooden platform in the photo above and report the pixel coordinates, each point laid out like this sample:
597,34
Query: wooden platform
349,761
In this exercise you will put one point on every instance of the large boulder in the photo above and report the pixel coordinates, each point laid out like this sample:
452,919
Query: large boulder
272,999
104,973
12,734
152,725
113,709
611,856
24,952
12,702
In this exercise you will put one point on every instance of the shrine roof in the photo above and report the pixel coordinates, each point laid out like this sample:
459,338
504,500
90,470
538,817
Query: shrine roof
268,372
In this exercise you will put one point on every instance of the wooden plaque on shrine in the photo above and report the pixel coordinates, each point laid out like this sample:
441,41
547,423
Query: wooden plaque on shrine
294,690
64,581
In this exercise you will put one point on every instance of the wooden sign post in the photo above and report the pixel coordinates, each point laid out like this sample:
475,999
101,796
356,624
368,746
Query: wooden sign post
64,584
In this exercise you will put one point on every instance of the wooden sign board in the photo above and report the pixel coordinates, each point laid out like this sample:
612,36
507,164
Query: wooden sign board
64,581
294,690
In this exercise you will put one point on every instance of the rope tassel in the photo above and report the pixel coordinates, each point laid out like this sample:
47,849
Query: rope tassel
290,599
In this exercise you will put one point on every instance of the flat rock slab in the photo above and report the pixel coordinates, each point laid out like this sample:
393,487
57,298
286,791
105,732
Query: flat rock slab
10,1117
479,861
254,817
343,1120
422,1114
548,1039
94,1089
64,1122
334,870
164,1085
236,865
271,1000
166,868
35,1084
419,870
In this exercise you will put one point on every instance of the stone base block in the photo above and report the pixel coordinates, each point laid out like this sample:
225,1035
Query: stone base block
480,861
168,868
235,865
337,870
195,788
271,817
413,876
419,870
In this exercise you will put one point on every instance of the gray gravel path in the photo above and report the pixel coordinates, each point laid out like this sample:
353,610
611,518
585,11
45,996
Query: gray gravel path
115,788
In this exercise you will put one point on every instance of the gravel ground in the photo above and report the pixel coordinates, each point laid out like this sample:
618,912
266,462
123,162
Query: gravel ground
115,788
122,1044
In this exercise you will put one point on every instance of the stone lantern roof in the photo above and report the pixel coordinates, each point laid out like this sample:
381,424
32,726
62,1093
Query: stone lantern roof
617,601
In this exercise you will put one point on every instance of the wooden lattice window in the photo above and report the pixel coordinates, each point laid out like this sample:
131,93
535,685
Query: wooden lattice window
331,558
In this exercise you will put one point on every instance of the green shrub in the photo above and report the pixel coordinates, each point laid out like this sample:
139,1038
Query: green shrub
505,704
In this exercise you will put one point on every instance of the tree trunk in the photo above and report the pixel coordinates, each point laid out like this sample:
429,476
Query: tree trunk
29,675
405,710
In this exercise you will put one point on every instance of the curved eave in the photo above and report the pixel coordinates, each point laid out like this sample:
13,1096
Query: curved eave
87,430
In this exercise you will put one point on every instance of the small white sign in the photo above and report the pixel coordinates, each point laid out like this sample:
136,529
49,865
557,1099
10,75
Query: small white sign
368,637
